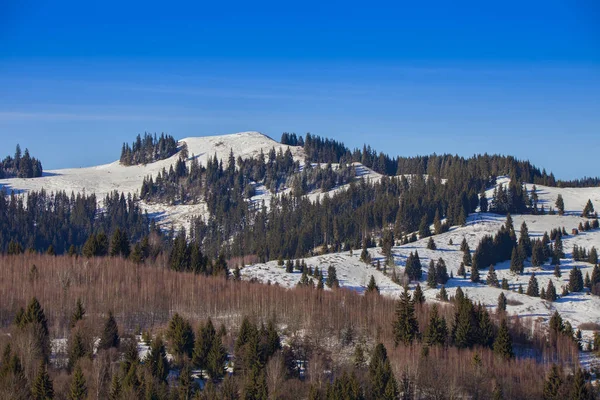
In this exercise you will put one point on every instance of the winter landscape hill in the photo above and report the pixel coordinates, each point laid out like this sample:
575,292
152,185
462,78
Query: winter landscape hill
581,309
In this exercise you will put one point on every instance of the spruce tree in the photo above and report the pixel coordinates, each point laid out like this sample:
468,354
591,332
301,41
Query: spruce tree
217,356
431,244
406,327
557,272
441,271
372,286
461,271
492,278
203,344
77,350
552,384
575,280
533,288
418,296
524,239
110,333
579,389
560,205
443,294
332,280
78,388
42,388
588,210
116,388
550,291
593,256
475,272
156,360
78,314
501,302
503,342
432,275
181,336
381,375
437,331
505,284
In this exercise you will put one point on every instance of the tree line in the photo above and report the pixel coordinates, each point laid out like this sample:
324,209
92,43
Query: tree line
22,165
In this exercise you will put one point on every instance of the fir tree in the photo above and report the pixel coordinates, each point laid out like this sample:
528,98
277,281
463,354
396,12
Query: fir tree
501,302
579,389
593,256
116,388
437,331
78,389
383,383
575,280
77,350
552,384
461,270
418,296
156,360
475,272
78,314
505,284
372,286
110,333
588,210
492,278
181,336
557,272
560,205
503,342
203,343
441,271
431,244
443,295
332,280
524,240
432,275
216,359
406,327
533,288
550,291
42,388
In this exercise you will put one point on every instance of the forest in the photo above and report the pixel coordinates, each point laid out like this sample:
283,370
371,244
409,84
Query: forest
22,165
148,149
79,339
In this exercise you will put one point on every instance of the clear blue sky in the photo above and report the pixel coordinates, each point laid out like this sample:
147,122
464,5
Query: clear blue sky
520,78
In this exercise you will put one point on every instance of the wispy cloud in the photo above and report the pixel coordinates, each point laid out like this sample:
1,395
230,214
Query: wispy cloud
63,116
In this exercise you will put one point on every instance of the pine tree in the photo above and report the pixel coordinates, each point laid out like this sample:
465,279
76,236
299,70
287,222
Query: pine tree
492,278
475,272
418,296
181,336
588,210
78,314
550,291
431,244
42,388
437,331
432,275
216,359
461,270
406,327
560,205
533,288
78,389
552,384
501,302
110,333
575,280
332,280
383,383
372,286
203,343
443,295
557,272
503,342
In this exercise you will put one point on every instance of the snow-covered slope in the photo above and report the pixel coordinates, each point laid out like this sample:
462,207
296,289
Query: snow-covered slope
577,308
104,179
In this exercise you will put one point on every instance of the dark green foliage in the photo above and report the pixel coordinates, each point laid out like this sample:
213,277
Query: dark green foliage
560,205
418,296
332,280
181,336
345,387
406,328
119,244
579,389
203,343
503,343
492,278
148,149
557,272
575,280
77,350
78,389
78,314
431,244
413,267
441,272
436,332
383,382
501,302
110,333
20,166
475,271
593,256
443,295
533,288
552,384
156,360
588,210
461,270
372,286
551,291
432,275
42,388
217,356
505,284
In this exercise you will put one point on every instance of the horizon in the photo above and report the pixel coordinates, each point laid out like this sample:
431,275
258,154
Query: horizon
408,80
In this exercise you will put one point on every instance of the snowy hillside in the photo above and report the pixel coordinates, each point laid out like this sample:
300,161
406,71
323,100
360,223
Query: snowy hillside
577,308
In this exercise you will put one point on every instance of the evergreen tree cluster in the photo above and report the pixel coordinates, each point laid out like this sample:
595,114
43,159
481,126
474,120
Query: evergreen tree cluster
148,149
58,221
22,165
292,139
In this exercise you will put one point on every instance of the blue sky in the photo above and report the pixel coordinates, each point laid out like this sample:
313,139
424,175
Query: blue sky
463,77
